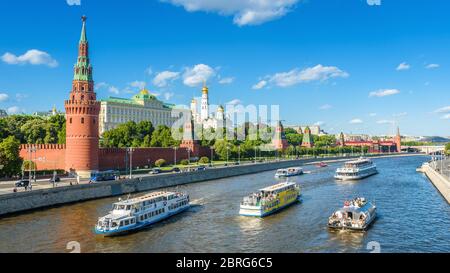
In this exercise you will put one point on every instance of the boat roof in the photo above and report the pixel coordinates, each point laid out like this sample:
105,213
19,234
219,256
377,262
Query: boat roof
278,186
358,209
146,197
359,160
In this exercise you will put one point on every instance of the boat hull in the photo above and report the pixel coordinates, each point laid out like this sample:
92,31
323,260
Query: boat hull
139,226
356,177
364,228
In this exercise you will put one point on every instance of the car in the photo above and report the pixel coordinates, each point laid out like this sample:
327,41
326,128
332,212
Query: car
176,170
24,183
201,168
236,163
155,171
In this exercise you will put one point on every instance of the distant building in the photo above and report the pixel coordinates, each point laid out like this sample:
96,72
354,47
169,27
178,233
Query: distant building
3,113
141,107
308,140
314,129
47,114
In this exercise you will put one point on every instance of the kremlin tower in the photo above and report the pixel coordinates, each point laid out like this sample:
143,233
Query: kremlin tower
204,113
82,114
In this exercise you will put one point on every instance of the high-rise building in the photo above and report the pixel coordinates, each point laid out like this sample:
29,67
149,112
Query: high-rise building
82,115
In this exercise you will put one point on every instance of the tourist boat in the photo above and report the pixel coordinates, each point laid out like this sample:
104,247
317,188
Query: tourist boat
289,172
356,214
140,212
357,169
322,165
270,200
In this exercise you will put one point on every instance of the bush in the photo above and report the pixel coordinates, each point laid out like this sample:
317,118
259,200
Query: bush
204,160
184,162
160,163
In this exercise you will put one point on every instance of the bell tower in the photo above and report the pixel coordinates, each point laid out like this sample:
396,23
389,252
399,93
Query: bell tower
82,114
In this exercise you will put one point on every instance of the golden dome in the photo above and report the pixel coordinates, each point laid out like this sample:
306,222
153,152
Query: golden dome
205,90
144,92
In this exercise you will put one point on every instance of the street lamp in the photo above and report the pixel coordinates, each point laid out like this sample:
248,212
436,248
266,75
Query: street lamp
256,159
212,155
239,154
130,151
228,149
175,150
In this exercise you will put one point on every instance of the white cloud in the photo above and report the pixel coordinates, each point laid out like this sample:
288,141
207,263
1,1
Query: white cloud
245,12
316,73
101,85
259,85
319,123
194,76
114,90
33,57
163,78
138,84
403,66
325,107
385,121
14,110
447,116
226,80
444,110
372,114
168,95
384,92
234,102
3,97
432,66
20,97
73,2
356,121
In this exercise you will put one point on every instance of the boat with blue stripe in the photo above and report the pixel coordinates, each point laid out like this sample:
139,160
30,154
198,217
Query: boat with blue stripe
137,213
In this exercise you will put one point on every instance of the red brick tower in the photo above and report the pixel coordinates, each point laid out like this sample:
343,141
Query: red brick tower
82,113
279,141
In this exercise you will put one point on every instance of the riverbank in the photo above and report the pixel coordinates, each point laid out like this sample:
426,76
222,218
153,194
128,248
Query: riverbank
30,200
441,182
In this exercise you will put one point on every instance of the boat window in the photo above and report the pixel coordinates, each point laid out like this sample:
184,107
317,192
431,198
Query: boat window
128,207
121,223
127,222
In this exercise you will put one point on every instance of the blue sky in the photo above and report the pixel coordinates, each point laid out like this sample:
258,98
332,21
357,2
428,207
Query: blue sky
345,64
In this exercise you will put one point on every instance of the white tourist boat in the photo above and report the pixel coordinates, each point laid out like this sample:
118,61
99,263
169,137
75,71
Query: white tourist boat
270,200
294,171
356,214
357,169
137,213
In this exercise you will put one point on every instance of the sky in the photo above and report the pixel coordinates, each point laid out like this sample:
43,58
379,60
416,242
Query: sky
357,66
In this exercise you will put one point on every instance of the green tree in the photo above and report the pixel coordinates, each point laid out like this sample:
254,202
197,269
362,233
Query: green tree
10,160
162,137
203,160
447,149
160,163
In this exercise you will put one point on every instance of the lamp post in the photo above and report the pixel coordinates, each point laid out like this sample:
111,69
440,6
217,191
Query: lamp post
175,152
228,149
130,151
256,159
239,154
212,155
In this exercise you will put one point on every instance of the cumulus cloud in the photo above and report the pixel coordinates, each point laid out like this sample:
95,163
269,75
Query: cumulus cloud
138,84
162,79
73,2
259,85
356,121
3,97
403,66
33,57
319,123
245,12
113,89
226,80
168,95
14,110
432,66
297,76
234,102
384,92
445,109
447,116
398,115
194,76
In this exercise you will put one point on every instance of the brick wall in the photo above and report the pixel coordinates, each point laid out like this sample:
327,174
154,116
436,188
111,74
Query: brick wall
47,156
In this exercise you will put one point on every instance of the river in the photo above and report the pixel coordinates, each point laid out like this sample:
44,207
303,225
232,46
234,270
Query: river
412,217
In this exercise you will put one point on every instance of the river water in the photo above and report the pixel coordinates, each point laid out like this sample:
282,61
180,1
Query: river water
412,217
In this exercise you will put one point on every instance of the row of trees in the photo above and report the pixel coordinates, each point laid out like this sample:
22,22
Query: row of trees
447,149
142,134
34,129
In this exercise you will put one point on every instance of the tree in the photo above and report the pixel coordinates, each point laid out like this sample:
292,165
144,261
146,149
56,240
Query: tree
447,149
10,161
162,137
204,160
130,134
